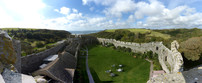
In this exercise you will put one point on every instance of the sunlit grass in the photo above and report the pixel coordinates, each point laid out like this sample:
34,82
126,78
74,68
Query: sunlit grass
152,33
101,58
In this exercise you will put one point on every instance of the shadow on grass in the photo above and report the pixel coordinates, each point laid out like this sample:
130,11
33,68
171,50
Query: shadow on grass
96,78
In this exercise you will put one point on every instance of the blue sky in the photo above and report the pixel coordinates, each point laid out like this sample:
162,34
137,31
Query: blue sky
100,14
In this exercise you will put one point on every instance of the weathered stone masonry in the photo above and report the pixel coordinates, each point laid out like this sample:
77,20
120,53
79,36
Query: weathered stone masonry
31,63
170,60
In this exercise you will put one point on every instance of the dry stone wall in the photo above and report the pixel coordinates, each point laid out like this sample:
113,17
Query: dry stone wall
170,60
31,62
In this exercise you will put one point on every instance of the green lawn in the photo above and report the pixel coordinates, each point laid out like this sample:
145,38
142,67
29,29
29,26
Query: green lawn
101,59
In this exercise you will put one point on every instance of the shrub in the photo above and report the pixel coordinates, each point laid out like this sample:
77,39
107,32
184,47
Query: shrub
39,44
192,48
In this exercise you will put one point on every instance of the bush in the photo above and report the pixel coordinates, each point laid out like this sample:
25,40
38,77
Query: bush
39,44
192,48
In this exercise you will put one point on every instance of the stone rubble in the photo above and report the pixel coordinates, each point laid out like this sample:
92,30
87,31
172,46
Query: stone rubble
1,79
168,78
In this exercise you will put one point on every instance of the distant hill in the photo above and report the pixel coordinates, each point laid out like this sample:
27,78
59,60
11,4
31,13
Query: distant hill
144,31
36,40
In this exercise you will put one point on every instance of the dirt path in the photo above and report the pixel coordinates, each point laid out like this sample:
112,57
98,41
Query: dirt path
151,68
90,77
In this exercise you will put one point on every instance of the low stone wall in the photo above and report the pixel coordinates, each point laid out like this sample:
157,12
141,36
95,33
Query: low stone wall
62,69
170,60
30,63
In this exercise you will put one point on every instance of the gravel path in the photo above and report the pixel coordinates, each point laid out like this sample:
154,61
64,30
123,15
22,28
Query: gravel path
151,68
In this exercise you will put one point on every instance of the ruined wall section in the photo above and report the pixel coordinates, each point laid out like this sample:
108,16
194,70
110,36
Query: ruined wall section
31,62
170,60
17,47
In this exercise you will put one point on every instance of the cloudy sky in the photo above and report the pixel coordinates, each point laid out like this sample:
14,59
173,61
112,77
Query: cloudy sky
100,14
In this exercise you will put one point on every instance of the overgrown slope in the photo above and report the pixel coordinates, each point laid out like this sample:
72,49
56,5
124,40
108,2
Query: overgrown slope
36,40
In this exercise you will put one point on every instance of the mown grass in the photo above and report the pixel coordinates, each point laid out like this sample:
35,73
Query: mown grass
101,58
157,34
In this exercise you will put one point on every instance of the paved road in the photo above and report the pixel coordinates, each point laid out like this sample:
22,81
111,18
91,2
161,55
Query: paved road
151,68
90,77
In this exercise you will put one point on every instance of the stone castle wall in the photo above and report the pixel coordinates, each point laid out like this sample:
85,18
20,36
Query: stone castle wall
31,62
170,60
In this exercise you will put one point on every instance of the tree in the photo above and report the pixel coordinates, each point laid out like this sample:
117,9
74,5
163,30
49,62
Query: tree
192,48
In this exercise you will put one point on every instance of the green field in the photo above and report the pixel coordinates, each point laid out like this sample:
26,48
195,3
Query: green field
132,30
101,59
143,31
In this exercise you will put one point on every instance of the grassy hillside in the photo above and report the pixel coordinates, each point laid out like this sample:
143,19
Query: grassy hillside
135,70
36,40
131,30
144,31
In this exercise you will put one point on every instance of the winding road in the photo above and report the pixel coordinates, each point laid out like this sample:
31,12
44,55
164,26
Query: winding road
90,77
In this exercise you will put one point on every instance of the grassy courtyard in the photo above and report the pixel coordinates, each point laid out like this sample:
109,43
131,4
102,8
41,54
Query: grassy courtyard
101,59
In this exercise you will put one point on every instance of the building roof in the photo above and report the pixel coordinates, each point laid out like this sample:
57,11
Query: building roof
51,58
43,65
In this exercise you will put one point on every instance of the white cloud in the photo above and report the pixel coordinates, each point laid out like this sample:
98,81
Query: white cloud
65,10
152,14
73,16
76,21
151,9
131,19
102,2
91,8
75,10
21,13
120,6
179,17
56,10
